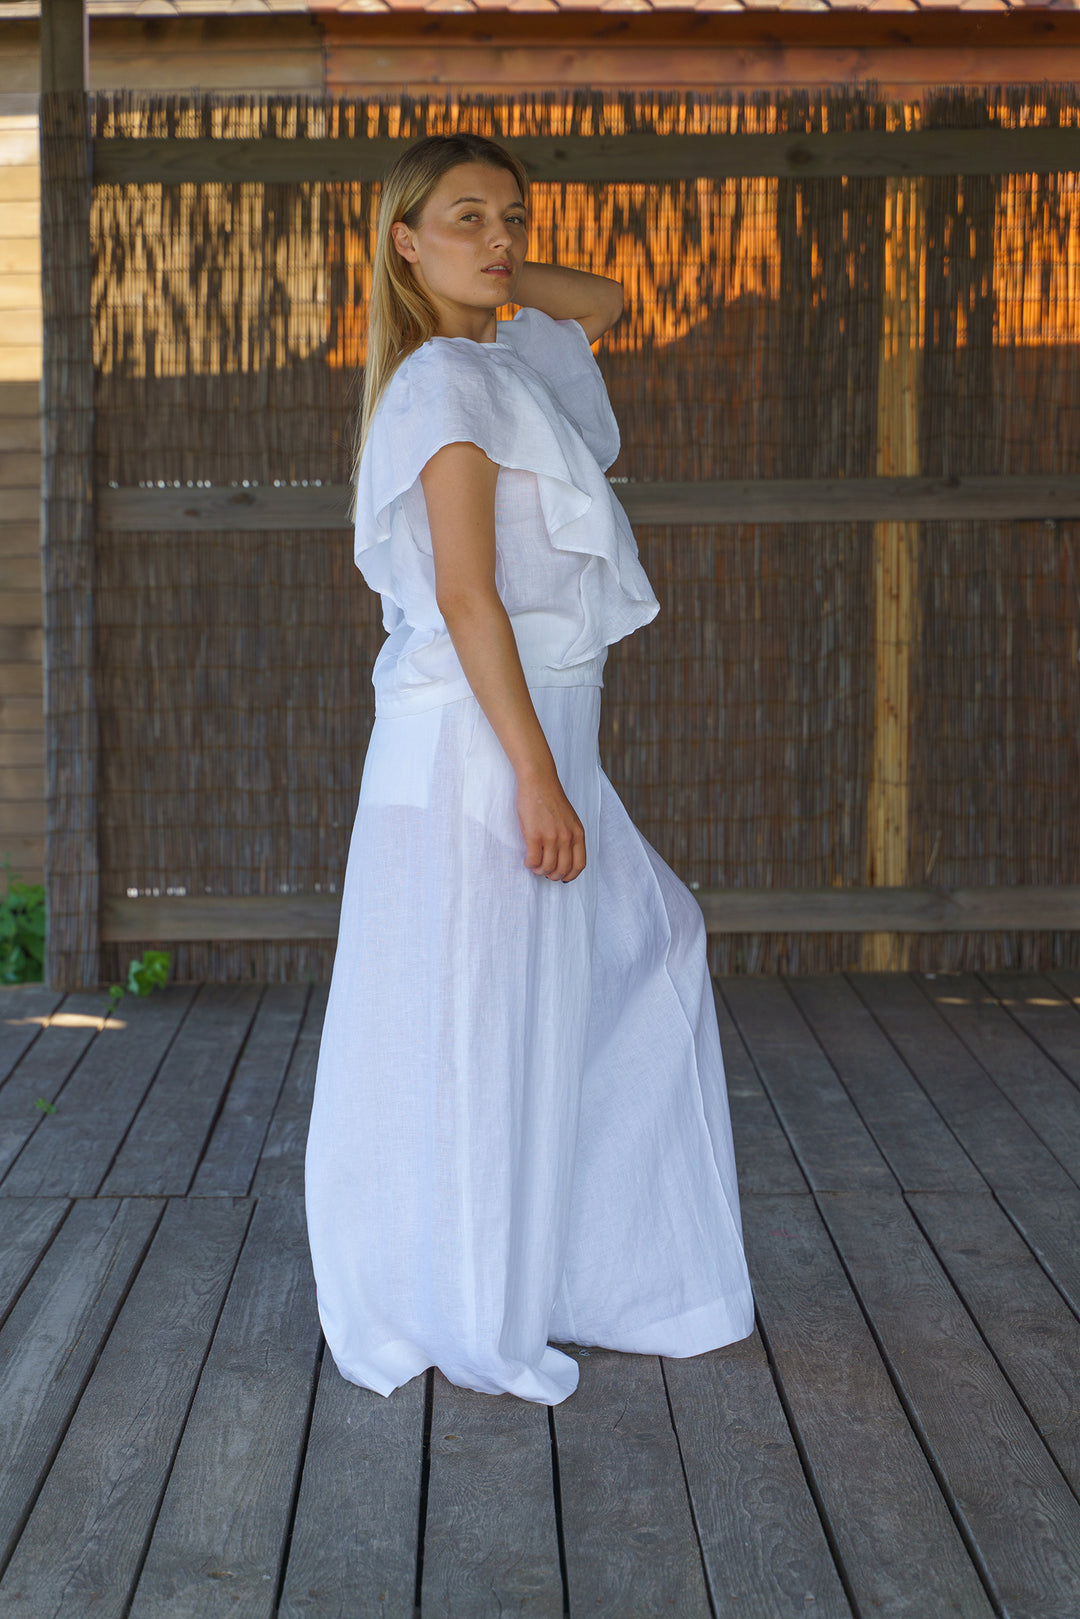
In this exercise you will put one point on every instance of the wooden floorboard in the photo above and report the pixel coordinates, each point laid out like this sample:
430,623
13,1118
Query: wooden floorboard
354,1537
491,1543
232,1153
161,1152
40,1076
910,1133
1018,1513
833,1147
24,1009
48,1347
80,1552
220,1537
762,1538
27,1226
1047,1008
899,1436
1031,1330
72,1149
631,1544
1040,1091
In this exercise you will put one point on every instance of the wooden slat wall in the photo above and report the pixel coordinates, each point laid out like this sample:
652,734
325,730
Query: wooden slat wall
22,739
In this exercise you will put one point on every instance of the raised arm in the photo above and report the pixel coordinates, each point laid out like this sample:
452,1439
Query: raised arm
594,300
459,488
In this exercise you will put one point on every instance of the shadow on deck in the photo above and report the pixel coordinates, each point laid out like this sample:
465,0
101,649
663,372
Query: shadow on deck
900,1436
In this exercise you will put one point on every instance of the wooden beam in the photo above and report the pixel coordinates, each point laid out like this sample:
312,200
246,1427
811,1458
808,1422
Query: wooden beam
65,46
71,857
896,546
263,507
612,158
880,71
726,910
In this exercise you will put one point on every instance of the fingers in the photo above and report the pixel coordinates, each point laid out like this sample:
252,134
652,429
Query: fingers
558,855
554,836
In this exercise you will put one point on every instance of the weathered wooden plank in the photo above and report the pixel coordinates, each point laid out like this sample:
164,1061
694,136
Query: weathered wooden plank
80,1551
218,1543
162,1149
763,1158
23,1010
914,1139
922,909
898,1546
1035,1086
832,1144
1008,1494
281,1163
726,910
27,1226
52,1336
1049,1223
630,157
491,1542
229,1162
263,507
629,1535
72,864
1048,1008
895,547
1001,1144
41,1074
71,1151
761,1537
248,916
1018,1310
353,1549
64,46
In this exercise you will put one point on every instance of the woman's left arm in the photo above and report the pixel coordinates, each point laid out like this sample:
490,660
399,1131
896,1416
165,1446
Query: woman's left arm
594,300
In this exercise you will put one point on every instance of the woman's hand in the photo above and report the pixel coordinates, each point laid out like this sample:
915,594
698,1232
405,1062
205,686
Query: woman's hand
595,301
554,836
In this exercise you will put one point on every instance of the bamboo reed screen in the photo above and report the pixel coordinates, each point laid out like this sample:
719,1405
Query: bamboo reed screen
775,328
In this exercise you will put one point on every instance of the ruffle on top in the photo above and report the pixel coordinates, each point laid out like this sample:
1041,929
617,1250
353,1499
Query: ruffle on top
536,403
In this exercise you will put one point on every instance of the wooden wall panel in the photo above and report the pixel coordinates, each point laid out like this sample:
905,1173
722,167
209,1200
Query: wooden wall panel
22,737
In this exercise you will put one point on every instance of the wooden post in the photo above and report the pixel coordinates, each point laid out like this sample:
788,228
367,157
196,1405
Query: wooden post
71,750
895,559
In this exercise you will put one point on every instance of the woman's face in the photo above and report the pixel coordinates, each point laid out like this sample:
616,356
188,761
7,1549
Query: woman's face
471,241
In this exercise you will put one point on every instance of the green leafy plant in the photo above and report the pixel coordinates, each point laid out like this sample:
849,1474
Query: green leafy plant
145,973
22,931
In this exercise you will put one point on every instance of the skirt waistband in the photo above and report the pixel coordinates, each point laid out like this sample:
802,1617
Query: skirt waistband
409,699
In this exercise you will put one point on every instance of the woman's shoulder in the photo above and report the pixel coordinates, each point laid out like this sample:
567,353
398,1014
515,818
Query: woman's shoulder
548,343
537,367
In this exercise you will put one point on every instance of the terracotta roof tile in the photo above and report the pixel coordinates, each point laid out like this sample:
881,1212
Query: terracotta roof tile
12,9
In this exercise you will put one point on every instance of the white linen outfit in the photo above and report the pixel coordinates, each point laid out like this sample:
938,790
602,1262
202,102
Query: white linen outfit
520,1127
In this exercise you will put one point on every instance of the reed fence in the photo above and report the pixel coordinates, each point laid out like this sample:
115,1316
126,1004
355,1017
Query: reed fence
847,387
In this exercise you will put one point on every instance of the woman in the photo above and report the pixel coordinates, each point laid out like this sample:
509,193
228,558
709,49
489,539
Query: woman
520,1130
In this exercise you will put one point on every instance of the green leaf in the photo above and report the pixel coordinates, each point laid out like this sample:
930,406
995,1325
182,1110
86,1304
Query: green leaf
151,972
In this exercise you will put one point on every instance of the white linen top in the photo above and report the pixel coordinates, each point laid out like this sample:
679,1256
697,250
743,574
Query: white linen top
567,567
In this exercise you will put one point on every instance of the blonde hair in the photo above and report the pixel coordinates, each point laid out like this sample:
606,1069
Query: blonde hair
400,315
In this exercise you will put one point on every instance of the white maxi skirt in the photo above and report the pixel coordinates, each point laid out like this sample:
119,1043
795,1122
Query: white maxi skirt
520,1126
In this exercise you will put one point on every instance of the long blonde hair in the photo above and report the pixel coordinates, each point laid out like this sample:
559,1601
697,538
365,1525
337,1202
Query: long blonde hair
400,315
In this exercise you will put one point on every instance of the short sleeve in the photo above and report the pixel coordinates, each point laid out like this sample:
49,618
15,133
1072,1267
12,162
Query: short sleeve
560,351
452,390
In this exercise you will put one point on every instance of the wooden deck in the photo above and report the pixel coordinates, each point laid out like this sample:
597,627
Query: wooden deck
901,1436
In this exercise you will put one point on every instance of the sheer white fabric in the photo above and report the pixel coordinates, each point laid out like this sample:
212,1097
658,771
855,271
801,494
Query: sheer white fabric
520,1128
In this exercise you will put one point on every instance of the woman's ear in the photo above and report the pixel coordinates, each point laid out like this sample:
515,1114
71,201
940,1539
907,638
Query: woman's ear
401,236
